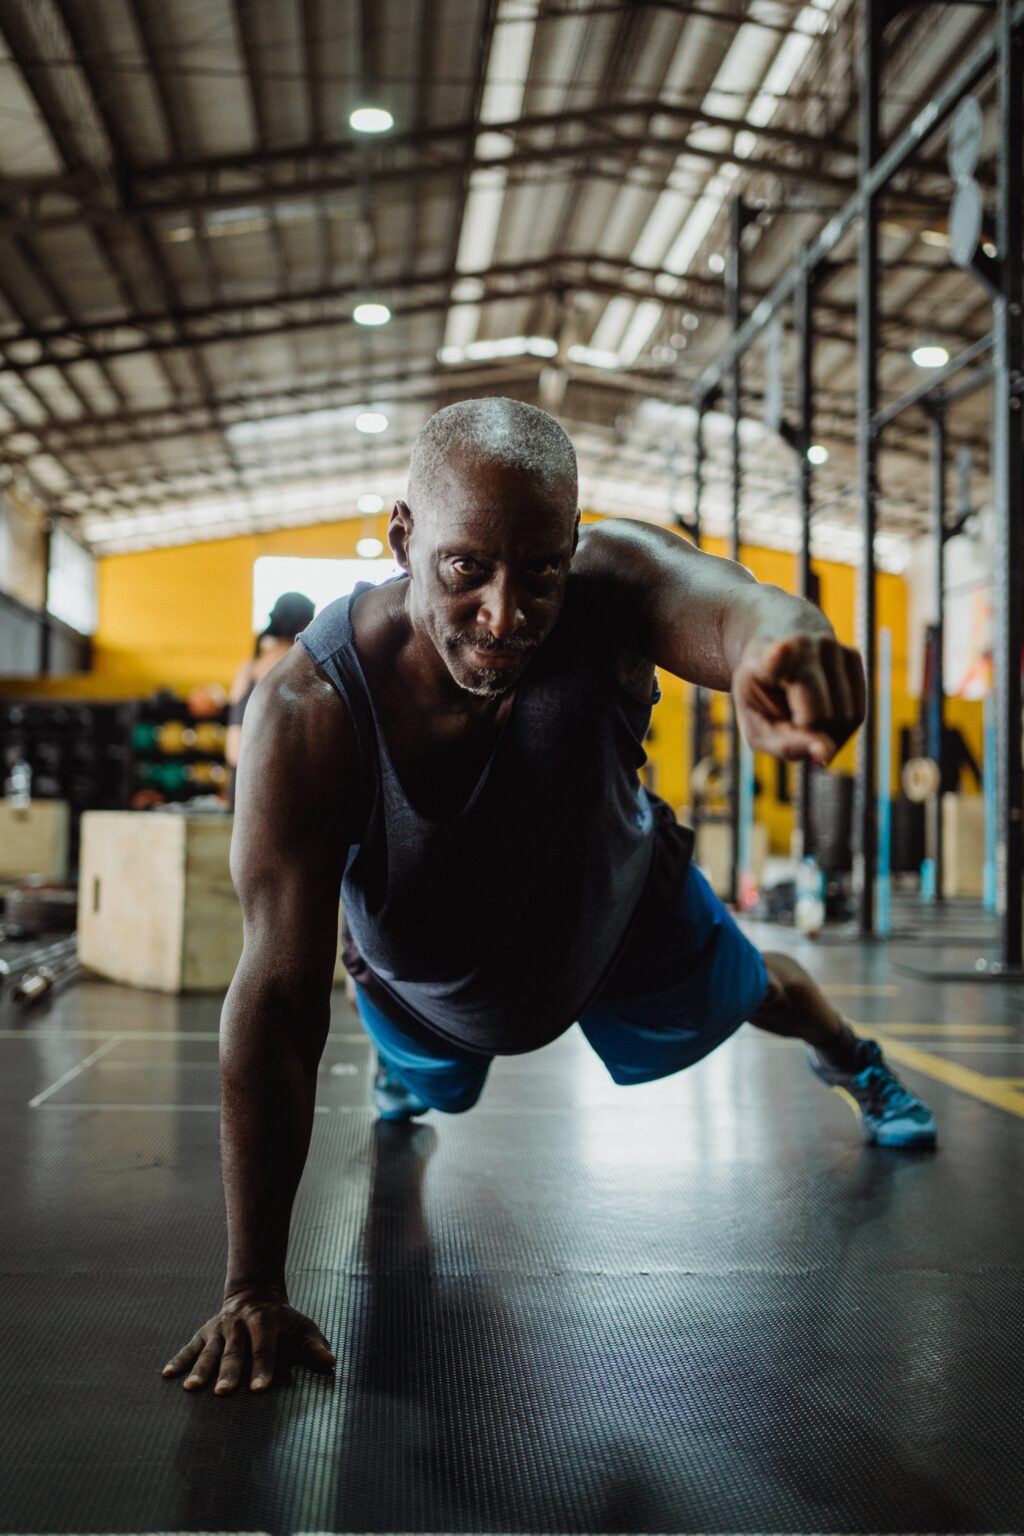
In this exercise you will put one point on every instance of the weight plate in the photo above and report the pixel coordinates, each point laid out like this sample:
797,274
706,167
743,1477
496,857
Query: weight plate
965,216
965,138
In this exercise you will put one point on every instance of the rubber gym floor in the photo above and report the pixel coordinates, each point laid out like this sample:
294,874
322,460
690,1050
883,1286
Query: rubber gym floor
701,1305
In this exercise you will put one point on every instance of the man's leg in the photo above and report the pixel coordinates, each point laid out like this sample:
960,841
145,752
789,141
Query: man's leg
795,1006
410,1079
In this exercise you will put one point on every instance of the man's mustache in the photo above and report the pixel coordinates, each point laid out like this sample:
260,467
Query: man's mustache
510,647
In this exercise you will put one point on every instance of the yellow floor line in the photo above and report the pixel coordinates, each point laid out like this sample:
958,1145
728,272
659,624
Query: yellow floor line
856,989
961,1031
1001,1092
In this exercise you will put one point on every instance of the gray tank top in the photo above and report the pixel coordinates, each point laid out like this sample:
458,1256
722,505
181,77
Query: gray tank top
496,927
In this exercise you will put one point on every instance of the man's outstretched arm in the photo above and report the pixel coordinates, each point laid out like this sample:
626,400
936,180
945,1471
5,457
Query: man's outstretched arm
799,692
296,815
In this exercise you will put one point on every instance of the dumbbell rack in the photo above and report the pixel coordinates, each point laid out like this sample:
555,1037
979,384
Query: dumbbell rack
177,755
88,753
80,752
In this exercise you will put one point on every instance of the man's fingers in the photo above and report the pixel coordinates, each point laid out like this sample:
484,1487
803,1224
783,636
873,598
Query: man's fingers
319,1353
840,692
784,739
204,1366
232,1363
264,1352
808,698
184,1357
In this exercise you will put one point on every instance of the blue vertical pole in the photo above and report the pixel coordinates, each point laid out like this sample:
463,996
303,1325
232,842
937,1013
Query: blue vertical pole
746,814
989,779
884,776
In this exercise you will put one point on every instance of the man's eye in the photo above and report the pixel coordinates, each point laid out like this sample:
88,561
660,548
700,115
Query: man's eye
545,569
465,567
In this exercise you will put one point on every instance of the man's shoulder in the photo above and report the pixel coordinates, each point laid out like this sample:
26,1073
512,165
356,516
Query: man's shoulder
600,612
297,702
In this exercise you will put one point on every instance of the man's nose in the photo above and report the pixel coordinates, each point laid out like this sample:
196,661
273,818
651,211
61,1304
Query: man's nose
499,609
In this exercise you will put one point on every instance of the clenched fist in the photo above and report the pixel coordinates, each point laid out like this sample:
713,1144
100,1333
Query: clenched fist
799,697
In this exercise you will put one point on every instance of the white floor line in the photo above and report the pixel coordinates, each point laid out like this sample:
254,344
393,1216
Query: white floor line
209,1109
476,1533
104,1034
946,1044
83,1066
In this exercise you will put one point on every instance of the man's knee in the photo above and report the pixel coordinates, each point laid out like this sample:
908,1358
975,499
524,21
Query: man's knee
790,988
455,1101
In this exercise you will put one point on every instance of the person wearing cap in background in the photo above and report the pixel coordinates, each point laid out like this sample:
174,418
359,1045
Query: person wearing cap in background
288,617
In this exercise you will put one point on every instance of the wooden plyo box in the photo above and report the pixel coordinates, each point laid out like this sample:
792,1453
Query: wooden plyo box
714,848
156,906
963,845
34,841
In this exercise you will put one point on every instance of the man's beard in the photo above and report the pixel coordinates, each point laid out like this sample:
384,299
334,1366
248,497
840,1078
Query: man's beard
486,682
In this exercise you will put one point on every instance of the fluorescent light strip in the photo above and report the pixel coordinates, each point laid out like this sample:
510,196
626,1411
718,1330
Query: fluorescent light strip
502,346
630,330
502,101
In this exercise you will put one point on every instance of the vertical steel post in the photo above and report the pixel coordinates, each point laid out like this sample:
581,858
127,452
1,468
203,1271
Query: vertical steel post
1008,479
936,705
45,632
696,697
734,288
865,813
805,488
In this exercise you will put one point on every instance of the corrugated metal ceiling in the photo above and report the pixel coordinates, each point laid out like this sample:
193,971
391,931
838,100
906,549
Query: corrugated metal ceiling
190,221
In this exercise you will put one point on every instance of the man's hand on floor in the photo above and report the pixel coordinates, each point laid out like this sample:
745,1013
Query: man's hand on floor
257,1325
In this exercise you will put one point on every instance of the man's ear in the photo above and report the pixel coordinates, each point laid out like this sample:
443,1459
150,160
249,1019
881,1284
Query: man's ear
399,532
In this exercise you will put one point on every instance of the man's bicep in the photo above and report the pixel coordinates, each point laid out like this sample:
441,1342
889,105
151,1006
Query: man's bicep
662,597
297,789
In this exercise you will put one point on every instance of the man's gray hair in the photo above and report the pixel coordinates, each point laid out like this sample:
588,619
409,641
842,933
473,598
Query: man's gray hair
494,428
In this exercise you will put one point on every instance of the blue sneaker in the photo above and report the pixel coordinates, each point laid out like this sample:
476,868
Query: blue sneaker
393,1100
890,1114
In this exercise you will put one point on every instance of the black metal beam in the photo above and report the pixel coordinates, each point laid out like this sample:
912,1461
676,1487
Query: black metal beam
1008,479
804,437
593,273
868,296
937,702
935,383
734,300
696,693
974,68
436,137
223,183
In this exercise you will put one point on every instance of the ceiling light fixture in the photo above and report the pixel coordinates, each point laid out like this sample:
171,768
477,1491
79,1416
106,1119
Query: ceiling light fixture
371,120
930,357
369,549
370,502
371,314
716,262
594,357
817,453
498,347
371,421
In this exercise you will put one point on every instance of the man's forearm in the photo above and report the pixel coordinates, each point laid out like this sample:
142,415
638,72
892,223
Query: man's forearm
765,612
268,1080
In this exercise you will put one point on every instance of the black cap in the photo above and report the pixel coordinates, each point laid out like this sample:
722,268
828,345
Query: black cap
290,615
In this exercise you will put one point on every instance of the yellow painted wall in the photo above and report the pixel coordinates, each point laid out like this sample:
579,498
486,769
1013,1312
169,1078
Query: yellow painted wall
175,618
671,748
182,616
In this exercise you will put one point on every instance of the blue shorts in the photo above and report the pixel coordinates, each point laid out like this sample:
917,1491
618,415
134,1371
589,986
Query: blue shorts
701,981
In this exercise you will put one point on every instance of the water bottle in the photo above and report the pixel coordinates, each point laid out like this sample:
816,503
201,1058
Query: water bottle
19,786
810,898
